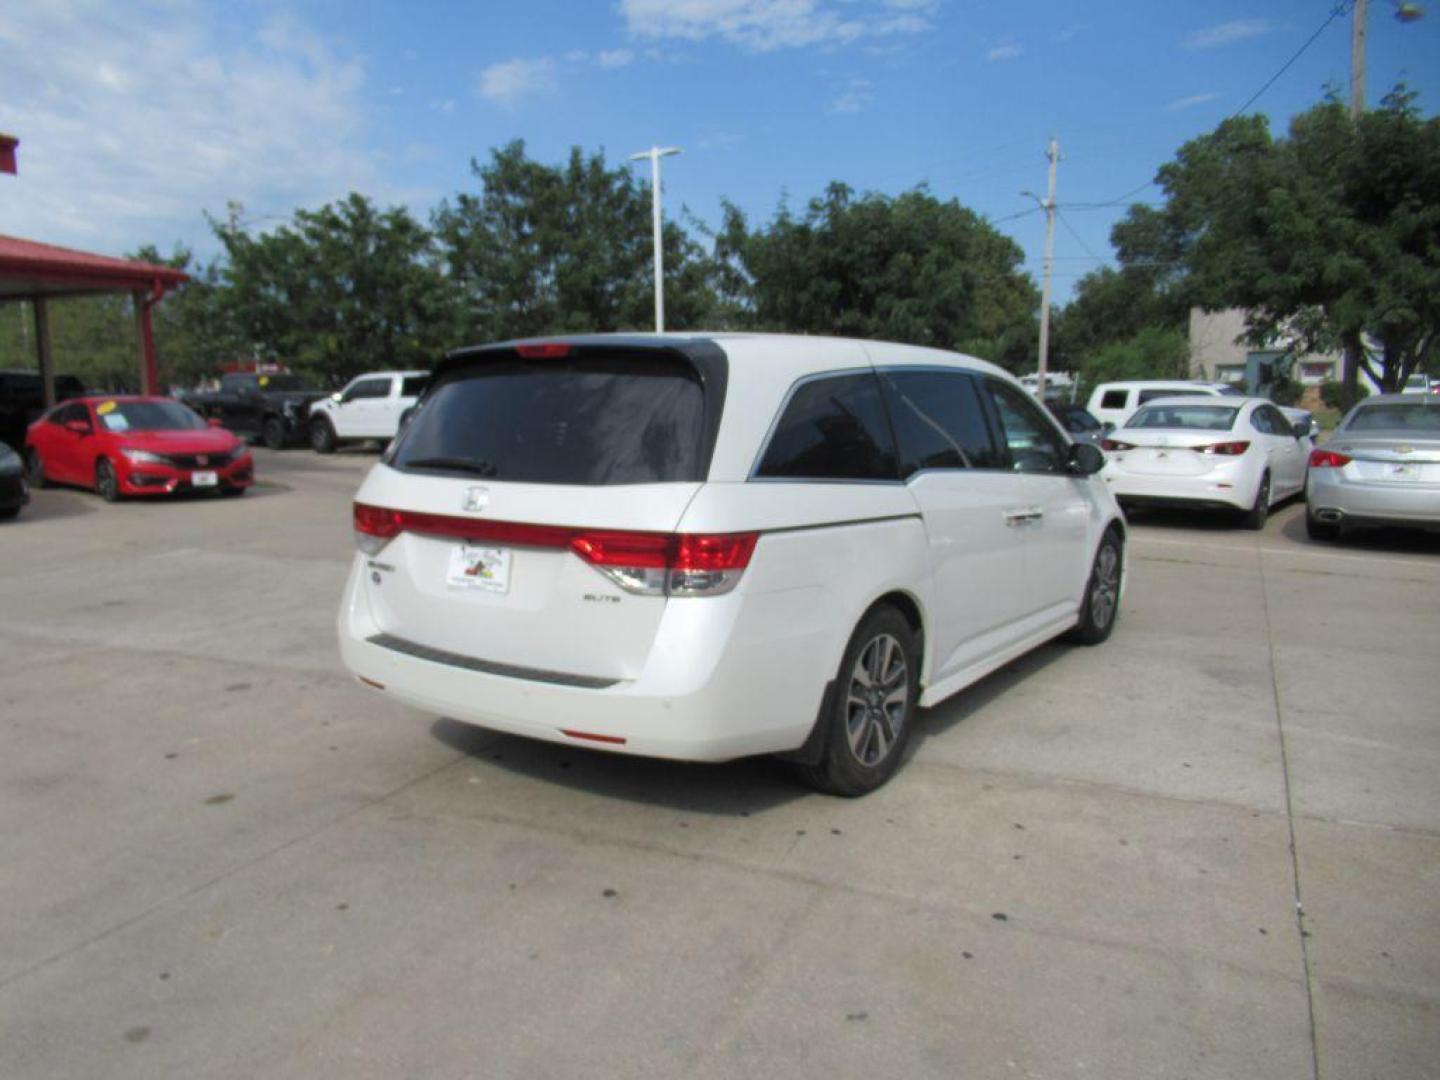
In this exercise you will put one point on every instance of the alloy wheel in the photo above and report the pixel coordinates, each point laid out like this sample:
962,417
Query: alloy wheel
1105,590
877,699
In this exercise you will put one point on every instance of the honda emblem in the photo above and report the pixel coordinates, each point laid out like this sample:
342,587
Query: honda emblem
476,499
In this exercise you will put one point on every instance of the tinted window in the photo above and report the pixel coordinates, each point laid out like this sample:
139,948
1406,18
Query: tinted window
70,412
1114,399
1075,419
118,416
939,422
369,388
581,420
1151,395
414,386
237,384
1422,419
833,428
1267,420
1033,442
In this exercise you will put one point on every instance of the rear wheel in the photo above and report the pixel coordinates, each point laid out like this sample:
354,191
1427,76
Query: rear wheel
107,484
322,436
35,469
1102,595
868,723
1320,530
274,433
1255,517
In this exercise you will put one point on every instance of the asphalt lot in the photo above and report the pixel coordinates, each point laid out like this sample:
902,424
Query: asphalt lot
220,856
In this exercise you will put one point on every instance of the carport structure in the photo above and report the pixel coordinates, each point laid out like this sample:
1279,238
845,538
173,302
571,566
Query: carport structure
38,272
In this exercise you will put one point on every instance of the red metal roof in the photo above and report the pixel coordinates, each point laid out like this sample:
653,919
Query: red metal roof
30,268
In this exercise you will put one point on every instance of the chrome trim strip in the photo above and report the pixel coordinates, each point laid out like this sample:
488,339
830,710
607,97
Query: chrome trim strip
488,667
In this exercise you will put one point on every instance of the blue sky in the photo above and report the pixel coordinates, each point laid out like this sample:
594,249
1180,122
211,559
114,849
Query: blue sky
135,118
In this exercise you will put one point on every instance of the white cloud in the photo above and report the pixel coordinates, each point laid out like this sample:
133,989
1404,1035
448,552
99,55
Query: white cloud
443,105
1190,102
767,25
853,97
614,58
1228,33
135,119
1006,50
511,81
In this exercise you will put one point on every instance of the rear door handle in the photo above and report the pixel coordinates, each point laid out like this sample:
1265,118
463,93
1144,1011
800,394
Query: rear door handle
1022,516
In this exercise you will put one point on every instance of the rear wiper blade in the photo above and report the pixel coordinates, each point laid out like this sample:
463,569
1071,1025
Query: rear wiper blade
478,466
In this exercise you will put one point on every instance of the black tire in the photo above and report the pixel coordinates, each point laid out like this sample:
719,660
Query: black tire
273,433
322,436
9,512
107,484
1316,529
1256,516
35,469
866,730
1101,605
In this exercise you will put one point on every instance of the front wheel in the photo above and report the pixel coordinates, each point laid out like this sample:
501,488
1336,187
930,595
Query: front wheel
1255,517
322,436
868,722
1102,595
107,484
274,433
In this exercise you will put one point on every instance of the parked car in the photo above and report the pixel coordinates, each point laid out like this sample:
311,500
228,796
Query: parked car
369,407
1077,421
702,548
1115,402
122,446
1190,452
22,399
1381,466
1420,383
13,490
272,407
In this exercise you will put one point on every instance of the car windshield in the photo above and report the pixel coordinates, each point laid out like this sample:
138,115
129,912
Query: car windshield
1185,417
283,382
583,420
118,416
1420,418
1231,391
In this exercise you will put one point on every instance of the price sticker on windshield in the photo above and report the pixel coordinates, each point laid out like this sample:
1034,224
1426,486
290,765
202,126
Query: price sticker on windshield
482,569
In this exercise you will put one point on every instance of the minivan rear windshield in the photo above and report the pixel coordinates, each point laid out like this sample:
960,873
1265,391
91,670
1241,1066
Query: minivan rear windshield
588,420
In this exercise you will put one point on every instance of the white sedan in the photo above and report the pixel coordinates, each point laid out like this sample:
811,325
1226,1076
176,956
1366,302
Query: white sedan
1207,453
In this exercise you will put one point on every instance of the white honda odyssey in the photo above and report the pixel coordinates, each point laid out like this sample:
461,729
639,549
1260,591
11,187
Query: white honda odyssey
706,546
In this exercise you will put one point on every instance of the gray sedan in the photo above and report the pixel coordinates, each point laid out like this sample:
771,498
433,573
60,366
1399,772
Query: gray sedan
1380,467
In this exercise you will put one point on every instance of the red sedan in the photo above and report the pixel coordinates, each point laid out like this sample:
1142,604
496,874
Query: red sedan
135,446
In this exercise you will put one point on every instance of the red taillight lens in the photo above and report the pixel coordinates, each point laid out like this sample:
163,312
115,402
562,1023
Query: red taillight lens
1328,459
723,551
1224,449
648,551
1115,444
544,350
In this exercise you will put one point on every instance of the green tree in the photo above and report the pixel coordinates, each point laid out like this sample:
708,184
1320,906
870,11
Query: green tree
1328,237
195,327
909,268
1152,352
547,249
1112,306
340,290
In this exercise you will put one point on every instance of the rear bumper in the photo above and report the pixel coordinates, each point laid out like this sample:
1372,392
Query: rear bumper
1209,492
727,677
1329,494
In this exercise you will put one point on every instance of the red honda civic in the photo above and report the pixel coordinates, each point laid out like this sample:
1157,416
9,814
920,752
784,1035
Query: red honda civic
135,446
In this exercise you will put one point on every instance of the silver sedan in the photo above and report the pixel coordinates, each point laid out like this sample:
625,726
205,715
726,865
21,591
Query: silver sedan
1380,467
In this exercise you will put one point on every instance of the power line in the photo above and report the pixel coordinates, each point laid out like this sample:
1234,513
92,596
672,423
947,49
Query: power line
1078,238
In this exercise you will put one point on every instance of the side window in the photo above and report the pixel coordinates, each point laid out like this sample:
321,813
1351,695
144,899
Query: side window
1034,444
66,413
237,384
1269,421
939,422
1114,399
833,428
414,386
372,388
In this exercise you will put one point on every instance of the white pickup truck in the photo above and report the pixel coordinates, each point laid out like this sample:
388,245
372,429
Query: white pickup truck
369,407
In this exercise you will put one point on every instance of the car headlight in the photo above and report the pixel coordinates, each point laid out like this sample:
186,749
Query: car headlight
240,451
143,457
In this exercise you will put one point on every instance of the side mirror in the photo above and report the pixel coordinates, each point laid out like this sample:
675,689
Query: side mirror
79,427
1108,426
215,421
1085,459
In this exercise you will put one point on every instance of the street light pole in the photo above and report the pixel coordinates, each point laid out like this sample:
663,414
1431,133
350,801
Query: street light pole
1357,60
655,153
1052,152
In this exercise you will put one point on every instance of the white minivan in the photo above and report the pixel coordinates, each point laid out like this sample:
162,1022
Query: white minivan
706,546
369,406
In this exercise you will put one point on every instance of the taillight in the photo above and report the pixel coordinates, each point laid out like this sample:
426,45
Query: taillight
647,563
375,526
544,350
1328,459
1224,449
1115,444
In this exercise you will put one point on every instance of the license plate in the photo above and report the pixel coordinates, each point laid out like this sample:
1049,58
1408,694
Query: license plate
1402,472
484,568
204,479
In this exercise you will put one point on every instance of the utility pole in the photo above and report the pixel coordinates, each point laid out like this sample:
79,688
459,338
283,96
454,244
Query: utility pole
1357,60
655,153
1052,152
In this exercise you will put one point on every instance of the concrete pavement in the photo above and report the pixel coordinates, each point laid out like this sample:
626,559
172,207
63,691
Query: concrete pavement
222,857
